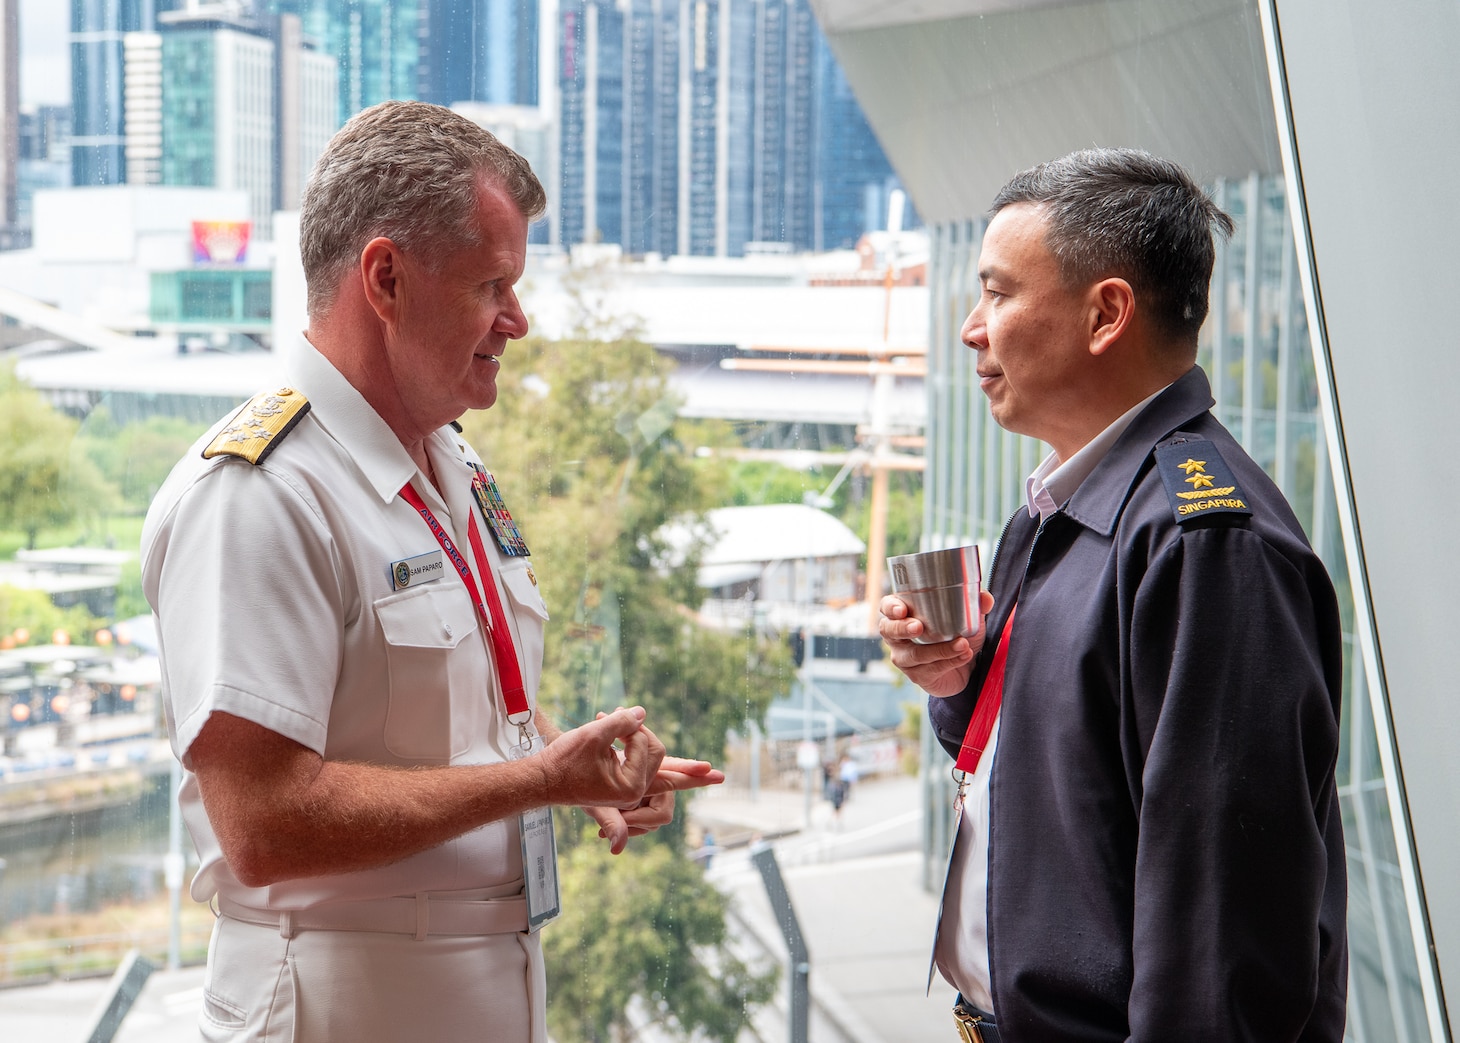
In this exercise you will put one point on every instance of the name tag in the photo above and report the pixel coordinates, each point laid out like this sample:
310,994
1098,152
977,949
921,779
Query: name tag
539,854
412,572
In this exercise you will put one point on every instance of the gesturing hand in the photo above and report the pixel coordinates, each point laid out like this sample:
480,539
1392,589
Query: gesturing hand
617,825
583,766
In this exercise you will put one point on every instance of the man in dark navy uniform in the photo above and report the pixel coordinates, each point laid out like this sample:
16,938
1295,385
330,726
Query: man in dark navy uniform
1149,844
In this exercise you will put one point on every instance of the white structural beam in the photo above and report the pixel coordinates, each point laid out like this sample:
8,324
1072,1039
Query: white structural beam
30,312
961,103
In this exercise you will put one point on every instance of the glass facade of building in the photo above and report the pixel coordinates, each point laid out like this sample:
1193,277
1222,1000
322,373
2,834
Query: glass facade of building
236,300
484,51
218,115
377,43
98,143
705,127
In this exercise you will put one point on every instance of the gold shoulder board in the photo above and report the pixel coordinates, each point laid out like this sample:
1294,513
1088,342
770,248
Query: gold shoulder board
259,426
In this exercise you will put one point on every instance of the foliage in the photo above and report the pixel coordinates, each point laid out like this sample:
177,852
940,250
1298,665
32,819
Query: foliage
582,441
137,457
41,486
643,924
31,612
904,512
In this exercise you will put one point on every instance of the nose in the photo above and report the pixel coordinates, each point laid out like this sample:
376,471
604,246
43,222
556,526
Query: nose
512,320
973,333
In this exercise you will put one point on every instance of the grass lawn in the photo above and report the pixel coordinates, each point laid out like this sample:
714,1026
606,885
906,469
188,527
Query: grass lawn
120,531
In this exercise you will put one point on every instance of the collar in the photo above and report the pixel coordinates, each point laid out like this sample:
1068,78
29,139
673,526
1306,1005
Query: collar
343,412
1053,482
1097,503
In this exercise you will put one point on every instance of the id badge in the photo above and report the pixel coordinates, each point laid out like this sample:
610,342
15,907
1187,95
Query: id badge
539,854
943,894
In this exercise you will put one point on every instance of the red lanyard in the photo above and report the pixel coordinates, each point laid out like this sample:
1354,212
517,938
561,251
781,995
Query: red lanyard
509,673
981,724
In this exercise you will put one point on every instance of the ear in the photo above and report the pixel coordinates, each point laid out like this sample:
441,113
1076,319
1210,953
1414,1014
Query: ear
1112,310
380,277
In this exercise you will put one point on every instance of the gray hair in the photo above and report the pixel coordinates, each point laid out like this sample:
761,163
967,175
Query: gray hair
1127,213
407,171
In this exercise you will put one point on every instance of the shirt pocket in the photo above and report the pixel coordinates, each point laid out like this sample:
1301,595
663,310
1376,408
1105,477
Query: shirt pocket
437,673
530,614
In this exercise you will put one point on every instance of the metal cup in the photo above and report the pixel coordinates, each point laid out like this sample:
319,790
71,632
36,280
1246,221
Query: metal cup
940,589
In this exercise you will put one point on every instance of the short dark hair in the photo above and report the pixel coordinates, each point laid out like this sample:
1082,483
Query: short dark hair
1123,212
409,171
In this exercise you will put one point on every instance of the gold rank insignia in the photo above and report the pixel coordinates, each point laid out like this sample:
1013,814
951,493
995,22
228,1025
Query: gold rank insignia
1198,480
259,426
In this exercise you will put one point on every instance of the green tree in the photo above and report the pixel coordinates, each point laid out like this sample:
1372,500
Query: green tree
659,937
137,456
40,486
582,442
31,613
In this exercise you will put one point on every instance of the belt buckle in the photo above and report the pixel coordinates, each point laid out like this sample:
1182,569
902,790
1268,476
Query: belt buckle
968,1030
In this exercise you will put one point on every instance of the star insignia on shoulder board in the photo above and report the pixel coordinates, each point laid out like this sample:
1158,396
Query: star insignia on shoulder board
1192,465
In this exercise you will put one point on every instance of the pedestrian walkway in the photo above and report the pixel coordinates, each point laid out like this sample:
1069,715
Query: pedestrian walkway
856,885
60,1012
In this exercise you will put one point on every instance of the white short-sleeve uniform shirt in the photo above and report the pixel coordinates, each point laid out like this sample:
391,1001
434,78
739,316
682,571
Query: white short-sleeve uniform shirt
274,599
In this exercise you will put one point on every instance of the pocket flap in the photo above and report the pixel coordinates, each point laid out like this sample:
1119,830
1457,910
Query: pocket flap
435,616
522,589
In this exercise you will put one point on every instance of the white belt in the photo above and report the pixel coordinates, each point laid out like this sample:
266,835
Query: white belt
425,914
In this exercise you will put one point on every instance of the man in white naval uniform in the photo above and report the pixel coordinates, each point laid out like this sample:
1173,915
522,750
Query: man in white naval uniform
352,635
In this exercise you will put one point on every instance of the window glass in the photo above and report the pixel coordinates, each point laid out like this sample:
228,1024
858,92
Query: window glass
742,392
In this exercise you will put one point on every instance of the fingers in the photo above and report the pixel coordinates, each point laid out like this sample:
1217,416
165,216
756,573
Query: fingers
623,722
895,624
617,826
685,766
643,753
611,827
667,780
655,811
677,773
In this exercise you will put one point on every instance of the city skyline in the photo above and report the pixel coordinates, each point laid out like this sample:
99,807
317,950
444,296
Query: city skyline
45,59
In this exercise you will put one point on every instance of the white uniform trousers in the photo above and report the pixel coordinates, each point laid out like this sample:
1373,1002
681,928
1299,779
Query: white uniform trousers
366,987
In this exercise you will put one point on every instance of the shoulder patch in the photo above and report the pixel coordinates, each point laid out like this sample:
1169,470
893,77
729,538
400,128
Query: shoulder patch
1198,480
259,426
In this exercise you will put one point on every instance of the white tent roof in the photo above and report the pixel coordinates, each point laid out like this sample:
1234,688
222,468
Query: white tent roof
769,532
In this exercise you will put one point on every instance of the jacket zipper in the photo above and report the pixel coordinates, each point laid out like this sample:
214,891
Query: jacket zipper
994,563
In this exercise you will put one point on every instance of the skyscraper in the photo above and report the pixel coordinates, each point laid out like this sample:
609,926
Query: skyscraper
377,45
98,112
709,127
218,109
244,105
142,101
480,51
9,116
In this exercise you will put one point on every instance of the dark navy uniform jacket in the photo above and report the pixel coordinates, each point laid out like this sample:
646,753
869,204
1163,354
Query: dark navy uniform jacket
1166,860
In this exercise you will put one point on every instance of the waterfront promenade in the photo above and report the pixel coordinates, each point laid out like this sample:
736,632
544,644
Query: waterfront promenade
854,882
